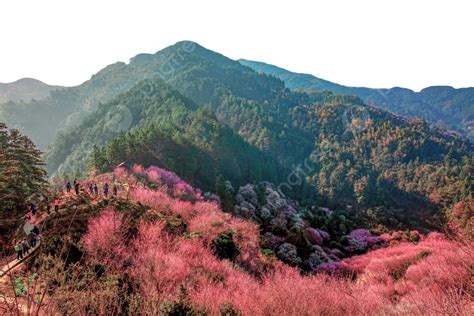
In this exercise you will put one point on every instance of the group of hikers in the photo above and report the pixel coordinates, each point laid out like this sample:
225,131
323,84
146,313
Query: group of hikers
30,210
93,188
48,205
23,246
76,186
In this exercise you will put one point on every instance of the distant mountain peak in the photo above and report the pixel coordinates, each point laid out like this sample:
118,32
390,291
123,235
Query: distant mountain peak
25,89
438,89
28,80
25,81
189,47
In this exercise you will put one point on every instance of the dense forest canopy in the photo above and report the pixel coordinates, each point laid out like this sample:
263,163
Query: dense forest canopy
161,127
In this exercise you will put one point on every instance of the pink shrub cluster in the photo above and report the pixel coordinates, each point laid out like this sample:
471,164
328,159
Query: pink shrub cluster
163,265
428,278
104,239
174,185
401,236
206,220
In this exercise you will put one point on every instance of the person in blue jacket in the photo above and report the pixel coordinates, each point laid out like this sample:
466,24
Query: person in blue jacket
106,190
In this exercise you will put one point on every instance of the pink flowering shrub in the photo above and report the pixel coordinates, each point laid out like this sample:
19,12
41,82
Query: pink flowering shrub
104,240
120,172
208,221
137,169
431,277
400,236
169,180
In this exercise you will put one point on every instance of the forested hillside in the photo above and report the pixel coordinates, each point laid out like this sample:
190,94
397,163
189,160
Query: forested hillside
390,169
442,106
42,119
154,124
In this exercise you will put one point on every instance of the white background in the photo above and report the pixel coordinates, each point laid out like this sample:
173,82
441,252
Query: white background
409,43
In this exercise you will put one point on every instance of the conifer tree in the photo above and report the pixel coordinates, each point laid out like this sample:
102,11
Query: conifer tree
21,169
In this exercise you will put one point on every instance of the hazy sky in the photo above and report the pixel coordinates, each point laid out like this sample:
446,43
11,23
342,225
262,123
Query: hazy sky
377,43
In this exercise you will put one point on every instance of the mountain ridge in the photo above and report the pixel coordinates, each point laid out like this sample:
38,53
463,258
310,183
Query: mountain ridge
25,89
276,70
68,106
443,106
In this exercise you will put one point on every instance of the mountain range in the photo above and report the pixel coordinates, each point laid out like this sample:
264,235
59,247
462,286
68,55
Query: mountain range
443,106
41,110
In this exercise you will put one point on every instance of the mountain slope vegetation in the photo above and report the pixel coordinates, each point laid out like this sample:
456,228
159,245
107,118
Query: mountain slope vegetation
323,203
150,251
42,119
153,123
443,106
392,170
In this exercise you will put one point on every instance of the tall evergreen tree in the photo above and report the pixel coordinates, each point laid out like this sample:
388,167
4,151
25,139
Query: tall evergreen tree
21,169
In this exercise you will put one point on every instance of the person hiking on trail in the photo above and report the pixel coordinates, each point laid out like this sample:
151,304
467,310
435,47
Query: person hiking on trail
32,240
48,206
19,250
28,215
96,189
91,188
106,190
76,186
115,189
25,247
56,205
33,208
68,186
35,230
